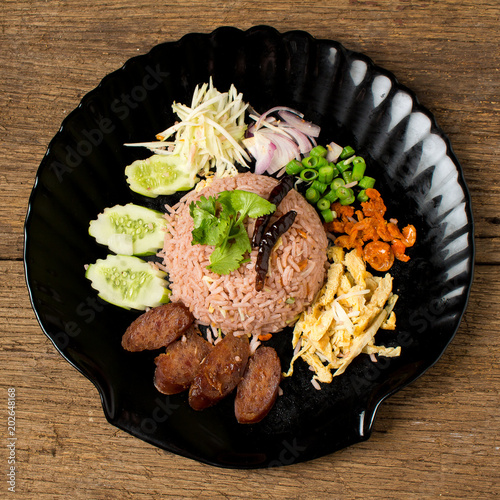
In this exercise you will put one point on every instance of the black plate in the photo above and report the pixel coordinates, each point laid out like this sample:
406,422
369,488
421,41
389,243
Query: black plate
356,103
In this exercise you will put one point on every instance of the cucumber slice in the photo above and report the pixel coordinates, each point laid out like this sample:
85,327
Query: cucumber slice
129,229
160,174
128,282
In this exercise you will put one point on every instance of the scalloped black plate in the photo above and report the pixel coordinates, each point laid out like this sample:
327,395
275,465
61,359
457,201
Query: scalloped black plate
355,102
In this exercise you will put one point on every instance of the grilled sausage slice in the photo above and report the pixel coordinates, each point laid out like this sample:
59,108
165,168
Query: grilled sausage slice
258,390
220,372
157,327
177,367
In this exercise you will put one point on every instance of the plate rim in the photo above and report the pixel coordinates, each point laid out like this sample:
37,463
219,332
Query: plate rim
417,106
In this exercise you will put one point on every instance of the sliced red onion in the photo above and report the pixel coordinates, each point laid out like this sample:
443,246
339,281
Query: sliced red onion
302,140
300,124
281,172
272,110
286,150
263,164
275,143
280,138
262,149
333,153
250,131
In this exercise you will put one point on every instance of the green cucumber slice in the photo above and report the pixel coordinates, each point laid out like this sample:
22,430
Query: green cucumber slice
160,174
129,229
128,282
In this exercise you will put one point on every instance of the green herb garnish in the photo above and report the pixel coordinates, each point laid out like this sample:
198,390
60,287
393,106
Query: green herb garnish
218,221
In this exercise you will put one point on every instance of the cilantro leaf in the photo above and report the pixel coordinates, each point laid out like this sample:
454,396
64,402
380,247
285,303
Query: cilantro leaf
230,256
239,236
219,222
209,229
225,203
206,204
224,260
247,203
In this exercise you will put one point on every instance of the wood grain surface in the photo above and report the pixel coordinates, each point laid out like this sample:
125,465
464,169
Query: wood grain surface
438,438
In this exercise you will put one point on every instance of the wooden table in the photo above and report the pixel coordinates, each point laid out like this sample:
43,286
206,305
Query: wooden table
438,438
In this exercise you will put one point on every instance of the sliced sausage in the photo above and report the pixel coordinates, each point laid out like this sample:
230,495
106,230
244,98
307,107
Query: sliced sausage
258,390
220,372
176,368
157,327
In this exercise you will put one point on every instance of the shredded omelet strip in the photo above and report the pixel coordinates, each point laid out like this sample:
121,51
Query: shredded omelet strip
344,318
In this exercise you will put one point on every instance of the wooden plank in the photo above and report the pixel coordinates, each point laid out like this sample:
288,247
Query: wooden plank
62,68
434,437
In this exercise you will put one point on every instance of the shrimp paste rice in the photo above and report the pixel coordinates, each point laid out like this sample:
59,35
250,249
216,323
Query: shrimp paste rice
230,302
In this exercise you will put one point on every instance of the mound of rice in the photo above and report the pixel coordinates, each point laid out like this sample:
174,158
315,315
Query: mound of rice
231,303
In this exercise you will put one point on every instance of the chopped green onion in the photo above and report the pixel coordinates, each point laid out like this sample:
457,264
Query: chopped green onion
308,174
290,300
347,176
319,186
310,161
323,204
349,160
336,183
318,151
366,182
312,195
343,193
335,170
327,215
358,159
314,162
342,165
331,196
348,201
362,196
358,170
322,162
326,174
294,167
346,153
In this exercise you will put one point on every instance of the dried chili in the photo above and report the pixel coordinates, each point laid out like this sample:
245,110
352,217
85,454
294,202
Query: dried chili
276,197
271,236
